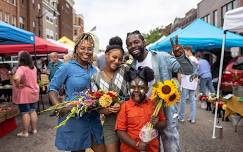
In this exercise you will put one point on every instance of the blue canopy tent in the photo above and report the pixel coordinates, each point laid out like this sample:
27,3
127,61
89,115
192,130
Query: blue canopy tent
200,35
13,35
151,45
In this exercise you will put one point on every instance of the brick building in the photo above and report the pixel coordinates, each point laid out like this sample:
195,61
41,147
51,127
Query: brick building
46,18
50,19
212,11
78,24
8,11
65,8
21,14
190,16
28,15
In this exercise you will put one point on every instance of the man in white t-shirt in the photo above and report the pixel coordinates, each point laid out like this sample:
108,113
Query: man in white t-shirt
188,85
163,64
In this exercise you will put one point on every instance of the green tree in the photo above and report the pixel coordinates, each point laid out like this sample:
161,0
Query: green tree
153,35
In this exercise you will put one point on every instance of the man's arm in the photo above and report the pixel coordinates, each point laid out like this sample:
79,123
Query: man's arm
185,65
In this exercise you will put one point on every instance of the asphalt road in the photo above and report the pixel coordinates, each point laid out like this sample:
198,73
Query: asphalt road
194,137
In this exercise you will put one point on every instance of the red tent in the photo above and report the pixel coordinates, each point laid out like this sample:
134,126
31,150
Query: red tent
41,47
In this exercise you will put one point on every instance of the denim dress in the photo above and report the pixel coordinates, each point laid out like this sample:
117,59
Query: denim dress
78,133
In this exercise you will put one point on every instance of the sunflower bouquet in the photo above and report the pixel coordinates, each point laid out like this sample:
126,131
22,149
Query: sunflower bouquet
163,93
87,101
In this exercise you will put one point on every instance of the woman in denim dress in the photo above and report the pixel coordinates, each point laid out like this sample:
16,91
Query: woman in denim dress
84,132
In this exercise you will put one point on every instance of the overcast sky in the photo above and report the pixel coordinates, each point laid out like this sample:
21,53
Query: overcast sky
117,17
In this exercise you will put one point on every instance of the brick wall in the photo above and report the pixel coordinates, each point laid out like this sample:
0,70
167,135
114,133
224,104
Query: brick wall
65,19
9,9
206,7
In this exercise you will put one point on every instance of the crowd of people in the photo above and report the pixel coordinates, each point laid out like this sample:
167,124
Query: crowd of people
110,72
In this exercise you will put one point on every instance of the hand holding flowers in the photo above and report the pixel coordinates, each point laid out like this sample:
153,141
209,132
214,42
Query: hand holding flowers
87,101
163,94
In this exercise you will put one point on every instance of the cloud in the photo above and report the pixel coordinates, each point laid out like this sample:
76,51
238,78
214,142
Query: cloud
117,17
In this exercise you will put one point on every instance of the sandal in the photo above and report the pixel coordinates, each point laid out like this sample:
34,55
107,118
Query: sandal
21,134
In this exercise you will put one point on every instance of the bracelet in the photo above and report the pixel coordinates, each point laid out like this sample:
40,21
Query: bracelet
137,144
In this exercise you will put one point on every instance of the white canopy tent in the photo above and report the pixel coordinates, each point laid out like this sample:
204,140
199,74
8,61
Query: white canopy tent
233,21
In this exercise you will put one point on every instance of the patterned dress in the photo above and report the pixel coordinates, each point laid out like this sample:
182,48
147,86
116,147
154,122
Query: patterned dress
117,84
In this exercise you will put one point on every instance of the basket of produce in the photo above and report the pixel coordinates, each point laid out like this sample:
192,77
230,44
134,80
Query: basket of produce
2,115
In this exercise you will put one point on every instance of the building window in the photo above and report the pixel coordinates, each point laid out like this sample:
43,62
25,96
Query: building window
13,2
1,15
49,34
215,18
235,4
14,23
7,18
21,22
227,7
75,32
207,18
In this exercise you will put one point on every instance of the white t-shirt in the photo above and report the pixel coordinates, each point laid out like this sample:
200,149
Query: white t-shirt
147,62
186,82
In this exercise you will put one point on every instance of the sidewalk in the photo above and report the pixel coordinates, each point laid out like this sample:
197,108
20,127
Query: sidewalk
194,137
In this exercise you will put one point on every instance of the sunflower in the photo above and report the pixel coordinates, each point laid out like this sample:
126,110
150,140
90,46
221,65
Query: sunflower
172,98
154,94
105,101
167,88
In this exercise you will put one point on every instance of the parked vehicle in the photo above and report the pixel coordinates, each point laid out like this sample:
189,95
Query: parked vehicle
232,75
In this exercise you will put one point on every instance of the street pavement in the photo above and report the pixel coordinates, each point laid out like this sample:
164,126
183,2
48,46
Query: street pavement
194,137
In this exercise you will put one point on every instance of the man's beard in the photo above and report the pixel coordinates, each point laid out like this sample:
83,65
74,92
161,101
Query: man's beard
140,55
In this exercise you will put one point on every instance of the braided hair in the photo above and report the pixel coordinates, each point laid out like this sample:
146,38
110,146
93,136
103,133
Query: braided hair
136,32
84,36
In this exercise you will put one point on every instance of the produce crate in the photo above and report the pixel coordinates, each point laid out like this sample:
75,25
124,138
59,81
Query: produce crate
2,116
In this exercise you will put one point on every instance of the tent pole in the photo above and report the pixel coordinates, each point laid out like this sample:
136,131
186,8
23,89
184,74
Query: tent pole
35,56
218,86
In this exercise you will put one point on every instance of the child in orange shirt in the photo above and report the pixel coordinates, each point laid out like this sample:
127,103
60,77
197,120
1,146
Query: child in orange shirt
136,112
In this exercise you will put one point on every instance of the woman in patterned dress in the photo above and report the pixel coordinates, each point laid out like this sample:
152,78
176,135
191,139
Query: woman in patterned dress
111,78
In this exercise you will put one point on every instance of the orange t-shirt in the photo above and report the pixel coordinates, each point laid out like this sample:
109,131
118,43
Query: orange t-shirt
132,117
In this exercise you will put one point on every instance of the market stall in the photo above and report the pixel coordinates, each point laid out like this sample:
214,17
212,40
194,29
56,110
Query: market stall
12,35
8,112
208,37
232,22
41,47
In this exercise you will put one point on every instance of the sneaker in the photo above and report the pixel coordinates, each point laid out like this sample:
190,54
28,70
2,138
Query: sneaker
193,121
22,134
181,120
33,131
